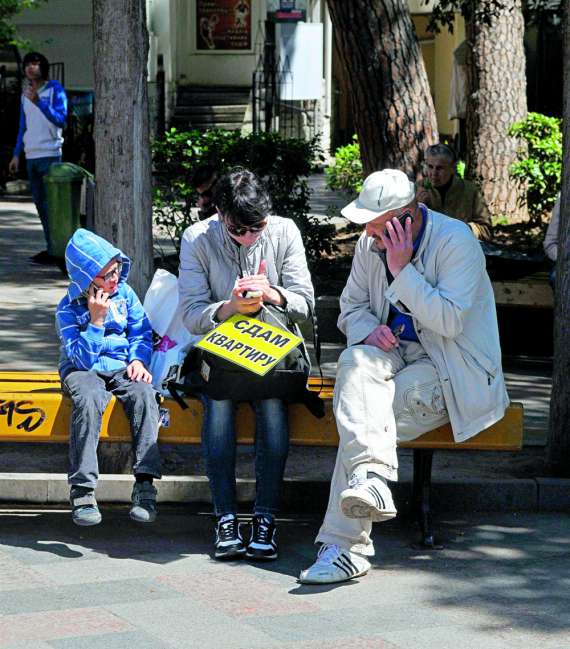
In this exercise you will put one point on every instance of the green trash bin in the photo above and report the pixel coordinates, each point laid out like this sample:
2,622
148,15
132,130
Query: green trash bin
63,188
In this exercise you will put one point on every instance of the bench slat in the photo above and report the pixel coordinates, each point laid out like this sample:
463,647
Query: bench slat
33,409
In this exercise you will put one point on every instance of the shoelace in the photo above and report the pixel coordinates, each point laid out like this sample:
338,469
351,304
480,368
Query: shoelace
329,553
356,480
228,530
261,531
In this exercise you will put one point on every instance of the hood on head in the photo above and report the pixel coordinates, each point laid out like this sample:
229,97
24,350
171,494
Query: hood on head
86,255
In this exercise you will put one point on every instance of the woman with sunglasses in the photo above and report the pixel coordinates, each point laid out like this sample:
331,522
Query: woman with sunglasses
234,262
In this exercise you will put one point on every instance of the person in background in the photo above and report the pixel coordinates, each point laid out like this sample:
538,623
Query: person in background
204,182
443,191
42,117
551,239
106,346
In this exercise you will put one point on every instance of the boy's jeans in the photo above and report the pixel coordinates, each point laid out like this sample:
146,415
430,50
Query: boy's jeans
37,169
90,393
271,450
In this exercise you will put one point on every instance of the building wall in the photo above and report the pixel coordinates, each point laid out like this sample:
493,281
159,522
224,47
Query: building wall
221,68
61,29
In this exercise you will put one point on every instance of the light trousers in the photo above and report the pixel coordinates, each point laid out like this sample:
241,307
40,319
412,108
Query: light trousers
379,398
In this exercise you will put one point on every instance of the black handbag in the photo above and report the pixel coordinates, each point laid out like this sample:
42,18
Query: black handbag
206,373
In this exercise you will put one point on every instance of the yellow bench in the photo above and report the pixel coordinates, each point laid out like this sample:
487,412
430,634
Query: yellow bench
33,409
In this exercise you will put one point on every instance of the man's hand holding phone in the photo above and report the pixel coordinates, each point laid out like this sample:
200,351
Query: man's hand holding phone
383,338
98,303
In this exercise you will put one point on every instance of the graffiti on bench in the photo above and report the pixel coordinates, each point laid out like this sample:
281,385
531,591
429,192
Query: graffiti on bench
34,416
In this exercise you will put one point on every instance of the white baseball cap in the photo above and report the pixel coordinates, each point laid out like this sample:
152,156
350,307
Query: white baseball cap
381,192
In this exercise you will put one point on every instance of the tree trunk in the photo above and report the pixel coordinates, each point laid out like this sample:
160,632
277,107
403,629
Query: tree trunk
392,105
497,100
123,197
123,208
559,438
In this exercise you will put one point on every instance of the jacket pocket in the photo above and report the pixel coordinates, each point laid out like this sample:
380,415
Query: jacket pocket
477,358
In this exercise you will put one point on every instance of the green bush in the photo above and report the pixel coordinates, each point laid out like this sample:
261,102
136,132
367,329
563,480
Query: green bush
346,173
283,164
539,162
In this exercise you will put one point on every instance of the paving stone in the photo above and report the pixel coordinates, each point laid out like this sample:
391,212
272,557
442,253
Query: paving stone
131,639
46,626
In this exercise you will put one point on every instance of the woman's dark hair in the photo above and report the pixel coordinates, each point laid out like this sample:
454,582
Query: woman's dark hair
36,57
242,198
442,150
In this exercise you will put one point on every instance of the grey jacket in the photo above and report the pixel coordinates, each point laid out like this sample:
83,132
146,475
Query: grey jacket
448,293
210,263
551,238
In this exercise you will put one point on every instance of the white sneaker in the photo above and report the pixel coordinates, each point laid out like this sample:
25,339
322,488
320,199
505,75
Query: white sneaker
367,496
333,565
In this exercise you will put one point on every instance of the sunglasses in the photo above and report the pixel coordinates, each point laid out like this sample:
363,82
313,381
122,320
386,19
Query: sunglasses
114,271
240,230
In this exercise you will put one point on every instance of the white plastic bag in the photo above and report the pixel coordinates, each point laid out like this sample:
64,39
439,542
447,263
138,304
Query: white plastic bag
161,306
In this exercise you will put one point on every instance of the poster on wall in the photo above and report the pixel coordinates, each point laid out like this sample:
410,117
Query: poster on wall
287,10
223,25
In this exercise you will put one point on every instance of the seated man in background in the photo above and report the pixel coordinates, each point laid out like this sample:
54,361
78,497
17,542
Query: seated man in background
550,243
443,191
204,181
419,316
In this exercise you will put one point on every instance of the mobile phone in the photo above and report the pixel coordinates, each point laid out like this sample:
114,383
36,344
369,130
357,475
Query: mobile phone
398,330
402,218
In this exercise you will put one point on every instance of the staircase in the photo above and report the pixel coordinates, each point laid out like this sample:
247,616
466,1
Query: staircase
205,107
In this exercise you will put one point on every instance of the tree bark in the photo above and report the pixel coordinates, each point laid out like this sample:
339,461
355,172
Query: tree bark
123,200
392,105
497,99
559,437
123,197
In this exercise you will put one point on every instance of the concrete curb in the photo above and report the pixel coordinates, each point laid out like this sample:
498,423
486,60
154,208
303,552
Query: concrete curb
459,496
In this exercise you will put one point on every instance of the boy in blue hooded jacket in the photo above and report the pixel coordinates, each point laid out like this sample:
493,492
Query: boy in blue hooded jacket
106,345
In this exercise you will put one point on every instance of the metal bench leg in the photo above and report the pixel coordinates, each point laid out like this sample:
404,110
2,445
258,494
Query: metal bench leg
422,497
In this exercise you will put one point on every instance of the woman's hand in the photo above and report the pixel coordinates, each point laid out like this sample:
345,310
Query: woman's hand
260,283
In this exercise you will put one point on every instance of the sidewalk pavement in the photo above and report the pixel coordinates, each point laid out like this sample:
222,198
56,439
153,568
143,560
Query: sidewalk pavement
501,582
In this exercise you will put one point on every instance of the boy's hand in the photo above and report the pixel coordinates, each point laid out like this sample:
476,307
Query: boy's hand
98,304
136,371
383,338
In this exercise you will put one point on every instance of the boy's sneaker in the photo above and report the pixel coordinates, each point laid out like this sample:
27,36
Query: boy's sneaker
84,510
143,509
229,543
334,565
263,543
367,496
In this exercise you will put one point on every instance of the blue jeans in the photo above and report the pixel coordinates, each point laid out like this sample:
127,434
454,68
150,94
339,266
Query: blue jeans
271,450
37,169
90,392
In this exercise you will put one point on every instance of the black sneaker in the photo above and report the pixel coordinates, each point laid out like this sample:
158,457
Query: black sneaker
229,543
263,543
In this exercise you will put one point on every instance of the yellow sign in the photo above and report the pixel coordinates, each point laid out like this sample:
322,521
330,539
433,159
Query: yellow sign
250,343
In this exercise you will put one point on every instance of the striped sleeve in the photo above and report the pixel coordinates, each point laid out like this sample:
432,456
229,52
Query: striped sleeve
139,330
81,347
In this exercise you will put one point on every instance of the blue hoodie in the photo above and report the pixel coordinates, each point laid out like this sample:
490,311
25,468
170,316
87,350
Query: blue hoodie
126,334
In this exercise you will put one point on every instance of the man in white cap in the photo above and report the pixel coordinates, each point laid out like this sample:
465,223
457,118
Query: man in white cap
423,349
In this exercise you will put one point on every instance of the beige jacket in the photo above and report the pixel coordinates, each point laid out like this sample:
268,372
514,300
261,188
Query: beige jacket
551,239
463,201
446,290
